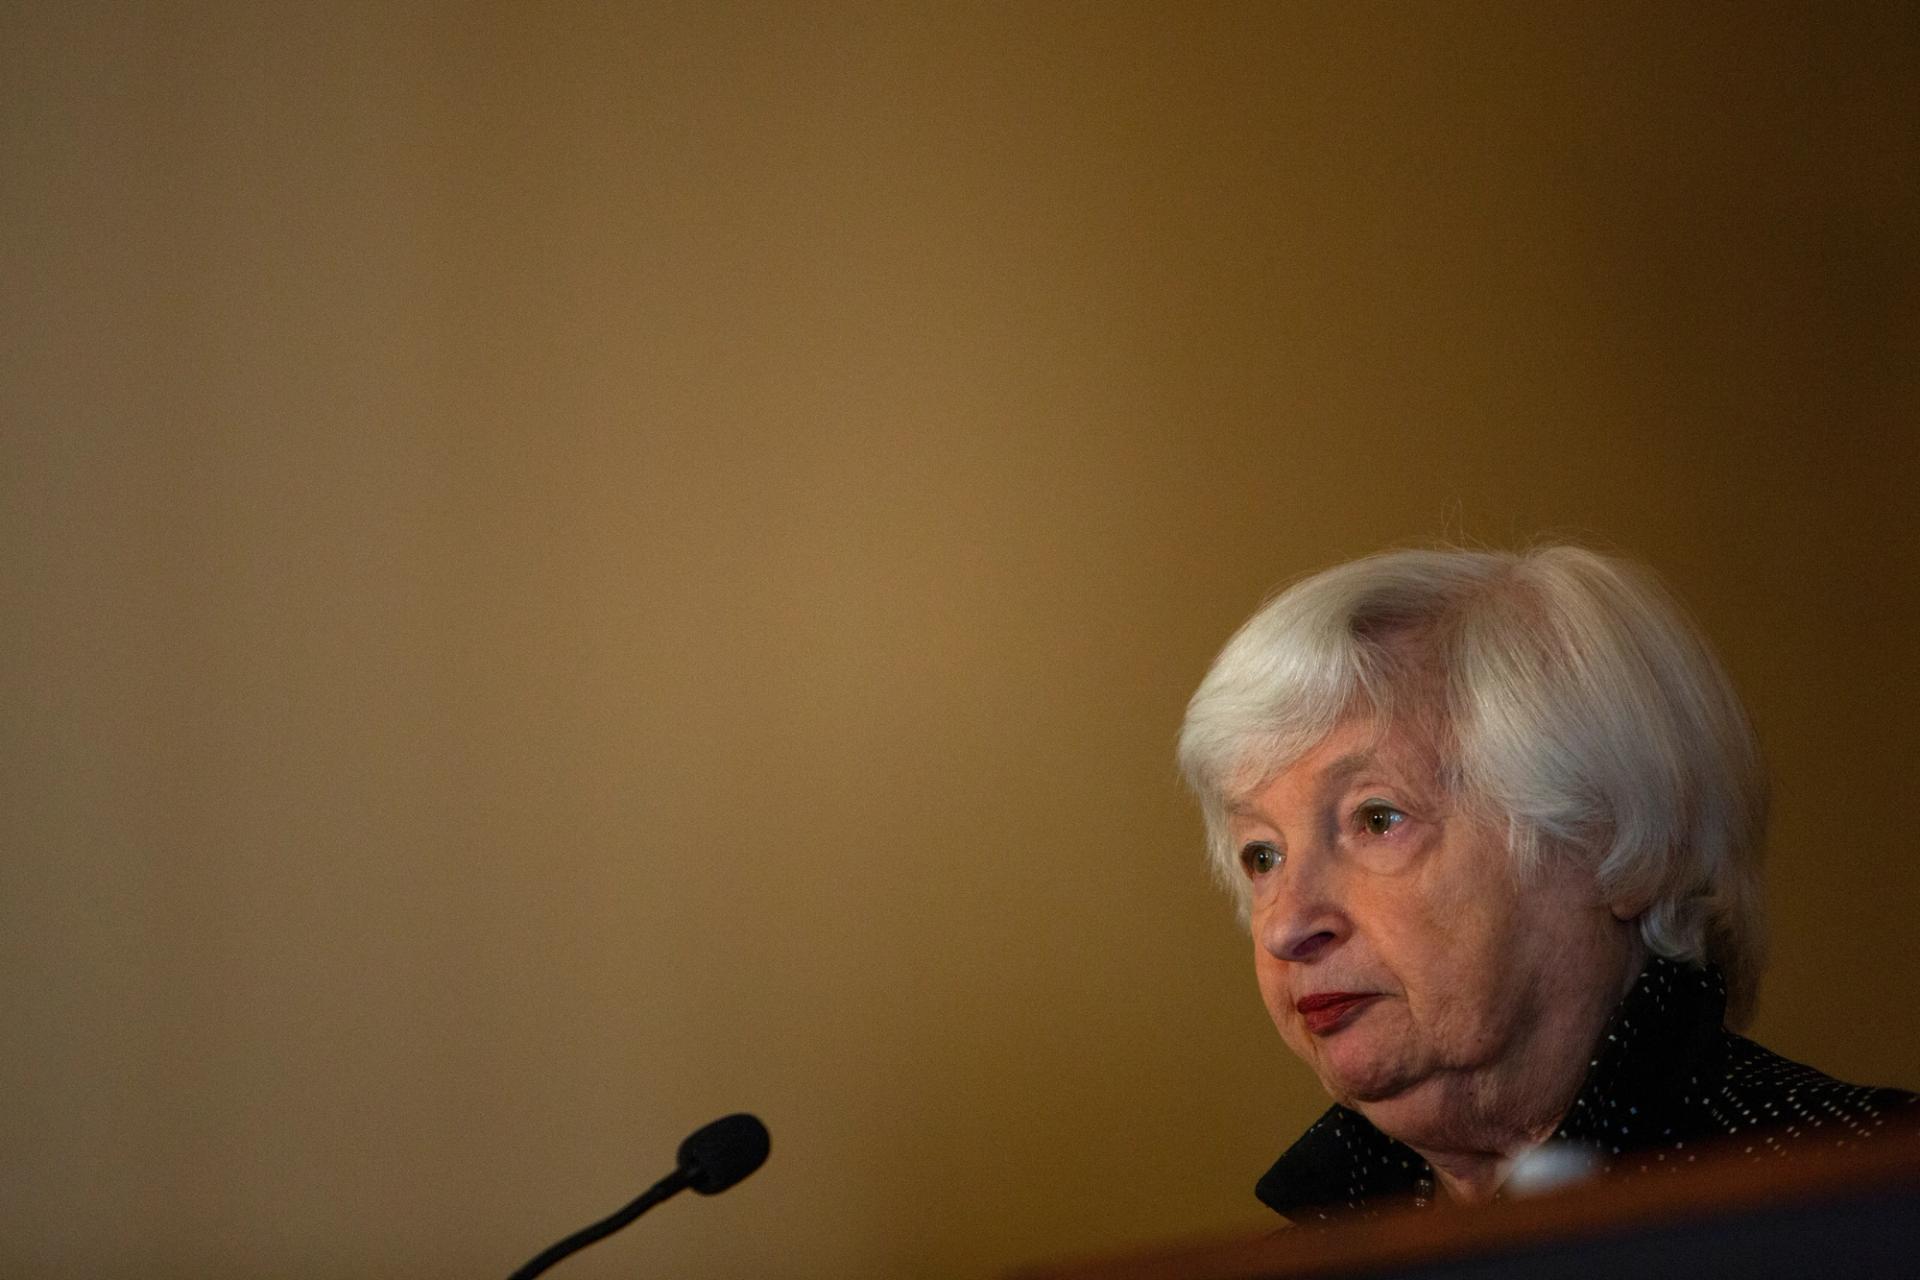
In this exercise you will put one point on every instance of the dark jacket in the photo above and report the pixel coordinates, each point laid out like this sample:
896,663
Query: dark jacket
1667,1079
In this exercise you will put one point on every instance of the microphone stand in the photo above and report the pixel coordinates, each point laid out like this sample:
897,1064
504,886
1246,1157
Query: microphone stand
668,1187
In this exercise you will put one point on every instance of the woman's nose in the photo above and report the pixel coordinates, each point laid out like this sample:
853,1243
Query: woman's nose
1305,944
1302,918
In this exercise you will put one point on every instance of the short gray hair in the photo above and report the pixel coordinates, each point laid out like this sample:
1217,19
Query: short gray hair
1579,705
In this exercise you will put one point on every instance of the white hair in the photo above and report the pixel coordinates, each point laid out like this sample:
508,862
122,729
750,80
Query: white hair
1576,702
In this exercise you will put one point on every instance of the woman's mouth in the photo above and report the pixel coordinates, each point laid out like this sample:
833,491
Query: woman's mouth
1326,1013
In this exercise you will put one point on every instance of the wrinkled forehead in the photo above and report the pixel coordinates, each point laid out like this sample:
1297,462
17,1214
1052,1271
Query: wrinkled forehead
1410,747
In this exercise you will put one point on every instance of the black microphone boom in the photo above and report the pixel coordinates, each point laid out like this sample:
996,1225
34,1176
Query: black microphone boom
713,1158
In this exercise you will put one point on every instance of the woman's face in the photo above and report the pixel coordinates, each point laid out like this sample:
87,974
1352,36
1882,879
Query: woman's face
1403,959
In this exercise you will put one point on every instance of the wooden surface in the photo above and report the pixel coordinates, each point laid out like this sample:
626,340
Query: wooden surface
1726,1186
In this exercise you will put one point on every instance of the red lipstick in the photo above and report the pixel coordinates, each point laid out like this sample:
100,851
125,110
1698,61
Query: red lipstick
1331,1010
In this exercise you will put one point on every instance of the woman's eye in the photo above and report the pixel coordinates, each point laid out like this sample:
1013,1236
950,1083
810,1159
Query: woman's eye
1380,819
1259,857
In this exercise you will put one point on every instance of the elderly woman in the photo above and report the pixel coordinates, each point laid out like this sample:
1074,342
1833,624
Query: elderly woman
1496,823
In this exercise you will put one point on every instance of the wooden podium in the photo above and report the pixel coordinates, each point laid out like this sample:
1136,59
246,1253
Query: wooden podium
1844,1213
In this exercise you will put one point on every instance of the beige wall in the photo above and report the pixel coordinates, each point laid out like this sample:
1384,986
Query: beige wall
569,572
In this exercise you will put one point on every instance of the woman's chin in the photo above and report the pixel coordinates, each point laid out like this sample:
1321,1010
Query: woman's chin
1354,1075
1357,1073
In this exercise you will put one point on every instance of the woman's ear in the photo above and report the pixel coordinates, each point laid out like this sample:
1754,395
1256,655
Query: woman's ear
1624,899
1629,907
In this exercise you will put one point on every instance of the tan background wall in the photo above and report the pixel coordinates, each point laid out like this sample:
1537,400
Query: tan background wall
570,569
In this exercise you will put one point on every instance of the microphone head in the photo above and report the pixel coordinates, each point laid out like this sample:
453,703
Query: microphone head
718,1155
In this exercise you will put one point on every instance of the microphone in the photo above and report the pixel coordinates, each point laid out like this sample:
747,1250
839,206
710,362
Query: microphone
713,1158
